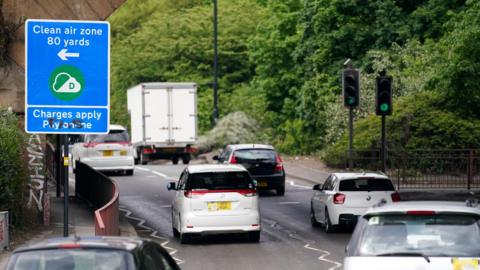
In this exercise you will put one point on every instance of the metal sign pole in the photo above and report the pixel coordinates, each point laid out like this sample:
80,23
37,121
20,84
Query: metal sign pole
58,165
65,185
350,138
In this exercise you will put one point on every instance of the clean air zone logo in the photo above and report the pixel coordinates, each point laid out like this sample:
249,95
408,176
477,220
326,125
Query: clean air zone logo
66,82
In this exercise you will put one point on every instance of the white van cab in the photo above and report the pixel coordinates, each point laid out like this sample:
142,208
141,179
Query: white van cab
215,199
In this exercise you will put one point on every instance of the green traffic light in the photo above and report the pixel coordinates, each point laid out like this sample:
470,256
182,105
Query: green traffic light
384,107
351,100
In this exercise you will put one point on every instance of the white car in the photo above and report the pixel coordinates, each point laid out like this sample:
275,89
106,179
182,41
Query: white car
105,152
345,196
416,235
215,199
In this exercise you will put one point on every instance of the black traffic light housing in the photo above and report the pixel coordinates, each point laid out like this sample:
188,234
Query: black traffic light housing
384,95
351,87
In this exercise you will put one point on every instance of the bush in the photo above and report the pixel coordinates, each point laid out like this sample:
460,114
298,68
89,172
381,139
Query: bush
13,177
420,121
234,128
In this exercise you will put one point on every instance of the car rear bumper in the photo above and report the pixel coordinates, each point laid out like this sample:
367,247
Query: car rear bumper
346,216
221,224
110,164
265,182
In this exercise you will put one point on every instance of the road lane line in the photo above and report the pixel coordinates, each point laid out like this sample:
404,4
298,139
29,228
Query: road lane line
322,258
141,168
292,183
172,251
160,174
289,203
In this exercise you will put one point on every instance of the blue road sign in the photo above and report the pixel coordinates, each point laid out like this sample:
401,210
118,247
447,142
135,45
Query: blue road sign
67,77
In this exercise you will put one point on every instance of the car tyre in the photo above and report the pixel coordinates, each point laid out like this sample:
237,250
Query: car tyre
313,219
254,237
281,191
186,159
327,225
129,172
176,233
175,160
185,238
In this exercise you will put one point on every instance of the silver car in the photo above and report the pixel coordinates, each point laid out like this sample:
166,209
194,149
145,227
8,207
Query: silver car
416,235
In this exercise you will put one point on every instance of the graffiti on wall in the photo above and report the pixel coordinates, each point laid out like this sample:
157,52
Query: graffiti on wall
36,170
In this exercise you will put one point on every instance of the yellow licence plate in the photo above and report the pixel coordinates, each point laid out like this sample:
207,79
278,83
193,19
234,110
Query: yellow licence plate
219,206
123,152
107,153
262,184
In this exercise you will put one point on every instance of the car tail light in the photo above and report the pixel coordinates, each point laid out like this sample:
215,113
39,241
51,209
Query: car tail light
338,198
90,144
69,245
193,194
279,163
247,192
233,160
395,197
421,213
148,150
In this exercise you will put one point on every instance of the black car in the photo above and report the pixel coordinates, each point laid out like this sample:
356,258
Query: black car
95,253
262,162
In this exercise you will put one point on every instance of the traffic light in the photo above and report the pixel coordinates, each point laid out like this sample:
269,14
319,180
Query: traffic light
351,87
384,96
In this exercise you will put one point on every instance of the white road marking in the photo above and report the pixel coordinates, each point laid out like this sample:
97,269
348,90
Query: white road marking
289,203
292,183
159,174
154,233
322,258
142,169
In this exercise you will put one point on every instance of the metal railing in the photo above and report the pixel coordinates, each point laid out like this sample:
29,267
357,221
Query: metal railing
425,169
101,193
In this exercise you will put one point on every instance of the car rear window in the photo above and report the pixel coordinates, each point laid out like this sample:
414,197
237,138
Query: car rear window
220,181
112,136
447,235
71,259
366,184
248,155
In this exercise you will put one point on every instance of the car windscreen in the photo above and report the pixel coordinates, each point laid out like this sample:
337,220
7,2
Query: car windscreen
112,136
71,259
255,155
445,235
366,184
220,181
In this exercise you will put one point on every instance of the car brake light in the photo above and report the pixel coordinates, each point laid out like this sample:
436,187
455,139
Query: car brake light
338,198
194,194
69,245
395,197
421,213
247,192
279,163
233,160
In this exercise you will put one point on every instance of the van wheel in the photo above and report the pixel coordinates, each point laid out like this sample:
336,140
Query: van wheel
186,159
254,236
175,160
185,238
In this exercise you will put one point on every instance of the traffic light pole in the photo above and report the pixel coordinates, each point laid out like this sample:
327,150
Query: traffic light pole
384,147
350,138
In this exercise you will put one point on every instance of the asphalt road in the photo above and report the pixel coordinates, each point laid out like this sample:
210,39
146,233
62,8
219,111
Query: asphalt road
288,241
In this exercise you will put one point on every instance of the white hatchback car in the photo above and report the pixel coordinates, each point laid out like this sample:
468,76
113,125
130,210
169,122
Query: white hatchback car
105,152
215,199
345,196
416,235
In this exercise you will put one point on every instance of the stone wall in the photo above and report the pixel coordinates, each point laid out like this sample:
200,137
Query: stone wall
15,12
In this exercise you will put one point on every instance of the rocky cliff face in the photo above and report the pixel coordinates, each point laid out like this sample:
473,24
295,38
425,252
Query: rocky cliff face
12,48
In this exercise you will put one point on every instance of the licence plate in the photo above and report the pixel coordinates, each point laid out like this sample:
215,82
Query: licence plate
169,150
108,153
219,206
123,152
261,184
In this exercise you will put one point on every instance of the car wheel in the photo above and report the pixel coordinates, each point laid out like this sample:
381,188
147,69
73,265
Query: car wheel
186,159
254,237
185,238
176,234
129,172
313,219
281,191
327,225
175,160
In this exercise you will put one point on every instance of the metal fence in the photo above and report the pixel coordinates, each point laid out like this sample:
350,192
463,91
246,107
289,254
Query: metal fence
425,169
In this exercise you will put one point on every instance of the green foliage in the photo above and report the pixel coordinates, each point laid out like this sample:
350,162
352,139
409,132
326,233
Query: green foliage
13,177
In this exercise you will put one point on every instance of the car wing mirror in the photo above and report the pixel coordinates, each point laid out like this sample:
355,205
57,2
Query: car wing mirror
171,186
318,187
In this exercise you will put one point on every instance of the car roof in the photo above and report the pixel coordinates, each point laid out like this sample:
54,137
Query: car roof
215,168
118,127
352,175
251,146
436,206
105,242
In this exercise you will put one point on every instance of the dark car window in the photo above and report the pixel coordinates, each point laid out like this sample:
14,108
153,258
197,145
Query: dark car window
445,235
220,180
72,259
255,155
328,185
113,136
363,184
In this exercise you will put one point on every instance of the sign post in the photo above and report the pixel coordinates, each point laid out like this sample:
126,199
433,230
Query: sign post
67,81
